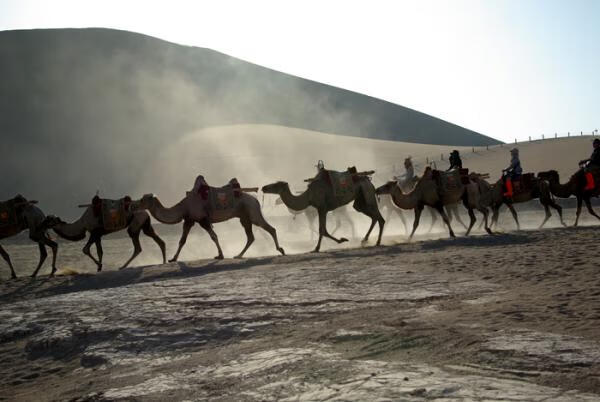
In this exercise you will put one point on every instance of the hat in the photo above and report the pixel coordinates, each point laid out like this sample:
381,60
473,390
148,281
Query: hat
596,141
514,151
455,152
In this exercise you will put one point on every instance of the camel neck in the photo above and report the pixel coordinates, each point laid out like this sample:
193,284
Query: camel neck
404,201
75,230
170,215
560,190
297,203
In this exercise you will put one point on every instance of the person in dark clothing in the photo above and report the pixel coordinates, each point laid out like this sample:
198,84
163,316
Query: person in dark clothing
512,173
592,163
455,162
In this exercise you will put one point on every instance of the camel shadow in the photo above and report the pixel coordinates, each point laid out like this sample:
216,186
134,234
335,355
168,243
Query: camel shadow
505,239
48,286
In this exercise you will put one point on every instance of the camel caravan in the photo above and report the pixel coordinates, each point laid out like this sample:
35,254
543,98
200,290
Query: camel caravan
328,191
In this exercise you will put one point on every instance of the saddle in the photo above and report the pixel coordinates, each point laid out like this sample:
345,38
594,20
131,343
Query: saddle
10,216
451,180
113,214
524,183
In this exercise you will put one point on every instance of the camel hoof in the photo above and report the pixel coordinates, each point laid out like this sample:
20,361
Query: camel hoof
488,231
173,260
343,239
281,250
219,257
238,257
452,235
315,251
32,276
13,277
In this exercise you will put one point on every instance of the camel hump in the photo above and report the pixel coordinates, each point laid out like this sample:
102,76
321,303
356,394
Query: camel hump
9,216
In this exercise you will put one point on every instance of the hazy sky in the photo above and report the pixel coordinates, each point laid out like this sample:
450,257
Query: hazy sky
504,68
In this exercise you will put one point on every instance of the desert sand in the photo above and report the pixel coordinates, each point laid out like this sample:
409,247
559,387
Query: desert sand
510,316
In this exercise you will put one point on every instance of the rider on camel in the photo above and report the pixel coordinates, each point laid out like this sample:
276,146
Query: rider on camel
513,172
408,175
592,163
455,161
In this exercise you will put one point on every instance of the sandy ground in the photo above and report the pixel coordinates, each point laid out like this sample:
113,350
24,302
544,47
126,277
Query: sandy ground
511,316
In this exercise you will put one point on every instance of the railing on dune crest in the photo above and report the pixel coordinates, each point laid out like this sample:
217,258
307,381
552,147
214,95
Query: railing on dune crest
388,171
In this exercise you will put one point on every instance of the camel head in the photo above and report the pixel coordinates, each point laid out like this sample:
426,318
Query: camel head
275,188
145,202
386,188
550,175
51,222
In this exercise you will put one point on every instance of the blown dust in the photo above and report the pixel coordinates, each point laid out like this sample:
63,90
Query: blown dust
514,315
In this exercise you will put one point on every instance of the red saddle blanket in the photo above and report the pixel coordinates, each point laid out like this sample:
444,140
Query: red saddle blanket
10,220
114,213
523,184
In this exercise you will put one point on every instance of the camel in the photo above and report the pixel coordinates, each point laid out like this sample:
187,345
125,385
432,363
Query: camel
427,193
28,217
194,209
320,195
493,196
575,186
137,221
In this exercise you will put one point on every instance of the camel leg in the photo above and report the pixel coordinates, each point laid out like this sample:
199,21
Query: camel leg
43,255
100,252
6,257
588,204
323,231
455,213
249,235
54,247
350,222
262,223
375,216
137,247
471,215
187,226
484,211
514,214
338,222
149,231
418,211
205,224
433,220
559,211
440,209
579,201
94,237
403,220
548,215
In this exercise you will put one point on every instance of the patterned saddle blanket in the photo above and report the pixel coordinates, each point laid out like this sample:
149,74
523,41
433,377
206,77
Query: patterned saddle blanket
452,180
524,184
10,220
222,198
342,184
114,213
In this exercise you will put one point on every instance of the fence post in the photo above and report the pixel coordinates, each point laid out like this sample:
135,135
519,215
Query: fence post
582,133
555,135
542,137
529,138
473,149
442,157
515,140
487,147
568,133
427,160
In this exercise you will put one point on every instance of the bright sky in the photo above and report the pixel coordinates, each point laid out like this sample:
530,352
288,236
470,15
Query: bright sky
507,69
